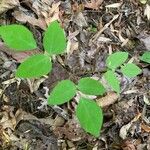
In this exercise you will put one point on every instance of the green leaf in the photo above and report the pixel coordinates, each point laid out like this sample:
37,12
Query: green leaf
146,57
54,40
112,81
116,59
63,92
130,70
90,116
34,66
90,86
17,37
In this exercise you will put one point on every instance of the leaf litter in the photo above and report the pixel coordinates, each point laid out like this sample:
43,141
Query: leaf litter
95,29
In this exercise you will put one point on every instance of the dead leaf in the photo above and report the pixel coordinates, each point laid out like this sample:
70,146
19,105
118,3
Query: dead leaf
58,121
21,56
104,39
35,83
114,5
8,119
53,13
80,20
145,127
128,145
147,11
5,5
73,43
18,56
107,100
22,17
124,129
145,38
94,4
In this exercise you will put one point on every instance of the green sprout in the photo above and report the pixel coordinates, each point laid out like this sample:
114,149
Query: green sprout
89,114
146,57
115,61
20,38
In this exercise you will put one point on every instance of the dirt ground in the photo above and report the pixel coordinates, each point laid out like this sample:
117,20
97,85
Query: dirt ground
94,30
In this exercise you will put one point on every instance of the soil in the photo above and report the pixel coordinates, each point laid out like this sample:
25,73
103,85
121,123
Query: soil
94,30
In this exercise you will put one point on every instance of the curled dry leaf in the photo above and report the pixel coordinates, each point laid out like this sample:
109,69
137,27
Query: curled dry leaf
5,5
94,4
107,100
145,127
128,145
9,119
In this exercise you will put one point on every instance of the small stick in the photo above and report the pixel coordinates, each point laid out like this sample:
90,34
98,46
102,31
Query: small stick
103,29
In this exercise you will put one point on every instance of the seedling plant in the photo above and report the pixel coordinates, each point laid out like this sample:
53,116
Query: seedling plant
89,114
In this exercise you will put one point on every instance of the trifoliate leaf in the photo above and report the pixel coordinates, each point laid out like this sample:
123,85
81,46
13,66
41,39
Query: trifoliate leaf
90,116
54,40
34,66
146,57
116,59
17,37
90,86
63,92
130,70
112,81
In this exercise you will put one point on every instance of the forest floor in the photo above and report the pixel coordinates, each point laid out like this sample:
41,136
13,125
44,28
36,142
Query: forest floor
94,30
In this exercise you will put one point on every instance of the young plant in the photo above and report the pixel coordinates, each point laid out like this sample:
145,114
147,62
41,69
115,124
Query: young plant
117,61
20,38
146,57
89,114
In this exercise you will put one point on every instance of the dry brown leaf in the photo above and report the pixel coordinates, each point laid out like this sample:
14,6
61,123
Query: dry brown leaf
107,100
47,10
5,5
21,56
128,145
72,44
22,17
53,13
8,120
18,56
145,127
94,4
